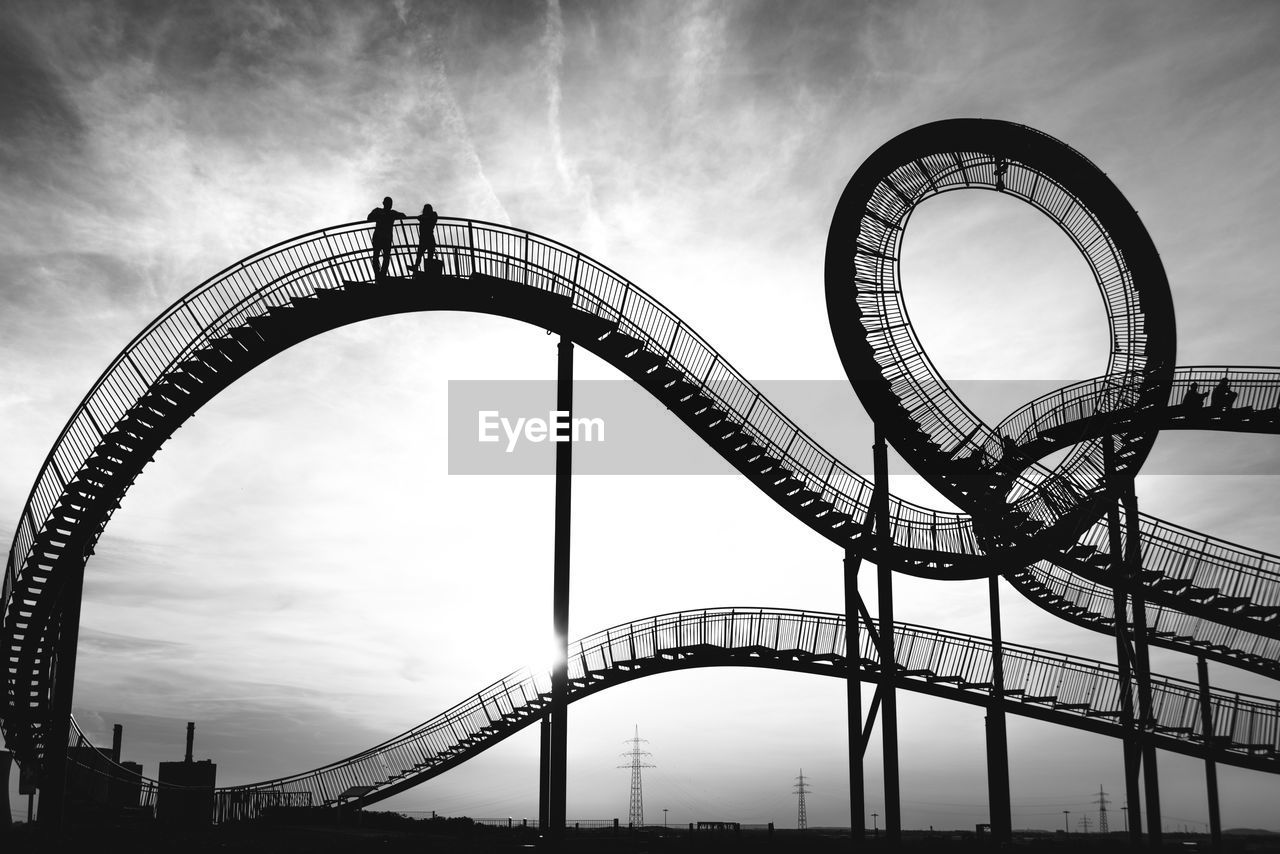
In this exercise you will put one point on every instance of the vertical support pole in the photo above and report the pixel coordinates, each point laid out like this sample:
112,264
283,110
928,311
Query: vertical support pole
888,666
1142,666
558,741
544,774
1119,584
853,695
53,777
1210,767
998,794
6,817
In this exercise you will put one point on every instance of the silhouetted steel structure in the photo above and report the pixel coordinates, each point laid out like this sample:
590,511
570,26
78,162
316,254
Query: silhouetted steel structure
1068,537
635,808
801,788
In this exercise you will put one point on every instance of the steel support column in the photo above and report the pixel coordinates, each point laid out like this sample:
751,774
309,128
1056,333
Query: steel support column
1142,666
853,695
558,737
998,795
1210,767
1124,652
888,668
53,772
544,773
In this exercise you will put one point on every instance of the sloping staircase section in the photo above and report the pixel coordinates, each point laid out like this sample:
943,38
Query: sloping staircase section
1049,686
1065,594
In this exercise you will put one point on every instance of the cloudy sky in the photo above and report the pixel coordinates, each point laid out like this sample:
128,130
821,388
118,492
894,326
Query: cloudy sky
298,572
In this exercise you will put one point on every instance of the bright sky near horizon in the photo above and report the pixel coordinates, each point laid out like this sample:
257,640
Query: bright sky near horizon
298,573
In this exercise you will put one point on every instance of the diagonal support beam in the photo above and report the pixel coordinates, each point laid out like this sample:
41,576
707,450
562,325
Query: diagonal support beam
871,719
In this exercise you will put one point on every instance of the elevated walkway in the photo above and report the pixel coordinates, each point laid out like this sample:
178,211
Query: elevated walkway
1048,686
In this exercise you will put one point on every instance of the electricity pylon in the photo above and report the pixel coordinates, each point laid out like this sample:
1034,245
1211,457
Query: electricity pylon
635,815
801,789
1102,811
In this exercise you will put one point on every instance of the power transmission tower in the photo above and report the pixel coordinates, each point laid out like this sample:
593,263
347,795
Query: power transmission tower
1084,823
1102,811
801,789
635,815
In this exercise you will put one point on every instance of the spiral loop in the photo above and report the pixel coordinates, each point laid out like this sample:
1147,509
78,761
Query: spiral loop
1016,503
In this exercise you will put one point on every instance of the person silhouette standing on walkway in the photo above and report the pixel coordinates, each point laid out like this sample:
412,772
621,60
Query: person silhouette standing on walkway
426,238
383,217
1222,396
1194,398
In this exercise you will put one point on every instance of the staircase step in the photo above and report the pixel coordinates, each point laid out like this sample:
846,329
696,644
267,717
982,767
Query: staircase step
245,336
748,452
663,375
801,497
199,370
837,519
711,416
693,404
681,389
621,344
231,349
185,380
728,430
645,361
820,507
264,324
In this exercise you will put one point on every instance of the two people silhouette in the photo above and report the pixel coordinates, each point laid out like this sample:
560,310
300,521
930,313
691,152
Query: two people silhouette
1220,398
384,218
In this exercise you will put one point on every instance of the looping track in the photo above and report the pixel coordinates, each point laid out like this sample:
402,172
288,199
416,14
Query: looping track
1036,527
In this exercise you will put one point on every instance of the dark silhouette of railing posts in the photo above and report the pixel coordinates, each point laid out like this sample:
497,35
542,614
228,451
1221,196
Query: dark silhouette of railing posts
888,666
1210,767
1124,651
556,742
998,794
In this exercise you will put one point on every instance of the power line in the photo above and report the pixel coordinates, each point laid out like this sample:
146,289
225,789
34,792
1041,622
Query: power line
635,814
